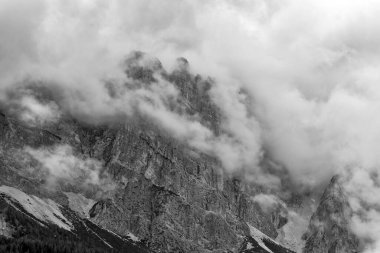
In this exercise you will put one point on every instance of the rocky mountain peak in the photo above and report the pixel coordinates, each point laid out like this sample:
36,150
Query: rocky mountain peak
329,229
149,185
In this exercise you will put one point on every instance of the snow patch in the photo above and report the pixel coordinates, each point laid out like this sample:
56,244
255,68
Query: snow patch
290,235
249,246
45,210
79,203
259,237
133,237
129,235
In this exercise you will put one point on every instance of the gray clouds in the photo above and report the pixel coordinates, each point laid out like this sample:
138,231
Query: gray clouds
295,79
307,68
59,164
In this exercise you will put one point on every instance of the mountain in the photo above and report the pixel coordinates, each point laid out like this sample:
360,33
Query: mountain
151,192
258,242
329,225
42,225
127,185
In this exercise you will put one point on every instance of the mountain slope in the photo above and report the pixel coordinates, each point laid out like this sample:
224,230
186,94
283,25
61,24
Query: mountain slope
258,242
329,226
147,183
40,225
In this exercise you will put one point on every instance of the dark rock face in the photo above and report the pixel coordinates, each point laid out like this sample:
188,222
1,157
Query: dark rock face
329,225
30,234
194,96
176,201
171,197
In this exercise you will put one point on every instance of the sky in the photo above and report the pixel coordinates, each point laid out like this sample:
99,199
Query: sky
308,69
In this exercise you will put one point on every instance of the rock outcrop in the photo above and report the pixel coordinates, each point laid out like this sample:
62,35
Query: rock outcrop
172,197
329,226
41,225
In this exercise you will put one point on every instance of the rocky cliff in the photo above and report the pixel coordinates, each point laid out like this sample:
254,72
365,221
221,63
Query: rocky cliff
129,184
32,224
329,229
152,186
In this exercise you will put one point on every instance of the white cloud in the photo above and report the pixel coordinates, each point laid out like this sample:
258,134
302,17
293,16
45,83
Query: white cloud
59,164
34,112
268,202
308,69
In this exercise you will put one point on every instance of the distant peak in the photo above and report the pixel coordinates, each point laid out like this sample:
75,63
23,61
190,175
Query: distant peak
182,63
141,59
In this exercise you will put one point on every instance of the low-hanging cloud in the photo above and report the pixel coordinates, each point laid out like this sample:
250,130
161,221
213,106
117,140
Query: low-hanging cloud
303,66
98,45
34,111
58,165
294,79
362,187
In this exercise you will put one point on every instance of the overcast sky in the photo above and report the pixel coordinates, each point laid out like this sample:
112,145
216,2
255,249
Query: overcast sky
310,70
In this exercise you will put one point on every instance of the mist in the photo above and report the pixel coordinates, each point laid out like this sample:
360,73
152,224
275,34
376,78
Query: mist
58,167
295,80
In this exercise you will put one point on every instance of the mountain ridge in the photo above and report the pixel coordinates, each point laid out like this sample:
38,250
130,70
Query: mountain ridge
147,184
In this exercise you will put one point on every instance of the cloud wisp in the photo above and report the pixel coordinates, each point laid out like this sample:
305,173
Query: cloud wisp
294,79
59,166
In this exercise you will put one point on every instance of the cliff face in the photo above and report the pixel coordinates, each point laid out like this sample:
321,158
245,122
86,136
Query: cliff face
173,198
329,226
32,224
178,202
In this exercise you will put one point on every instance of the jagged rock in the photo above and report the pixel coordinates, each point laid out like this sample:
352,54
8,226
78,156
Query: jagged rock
166,188
173,201
329,226
173,198
27,218
142,67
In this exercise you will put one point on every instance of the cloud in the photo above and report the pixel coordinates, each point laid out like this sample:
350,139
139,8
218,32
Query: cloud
37,113
268,202
29,107
362,187
301,64
77,46
59,166
296,80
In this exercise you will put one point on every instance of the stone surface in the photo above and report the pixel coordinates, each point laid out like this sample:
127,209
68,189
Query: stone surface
172,197
329,226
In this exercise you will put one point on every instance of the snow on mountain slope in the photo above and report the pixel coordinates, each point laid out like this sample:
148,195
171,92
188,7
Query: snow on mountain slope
290,235
133,237
259,236
258,242
43,210
80,204
40,223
